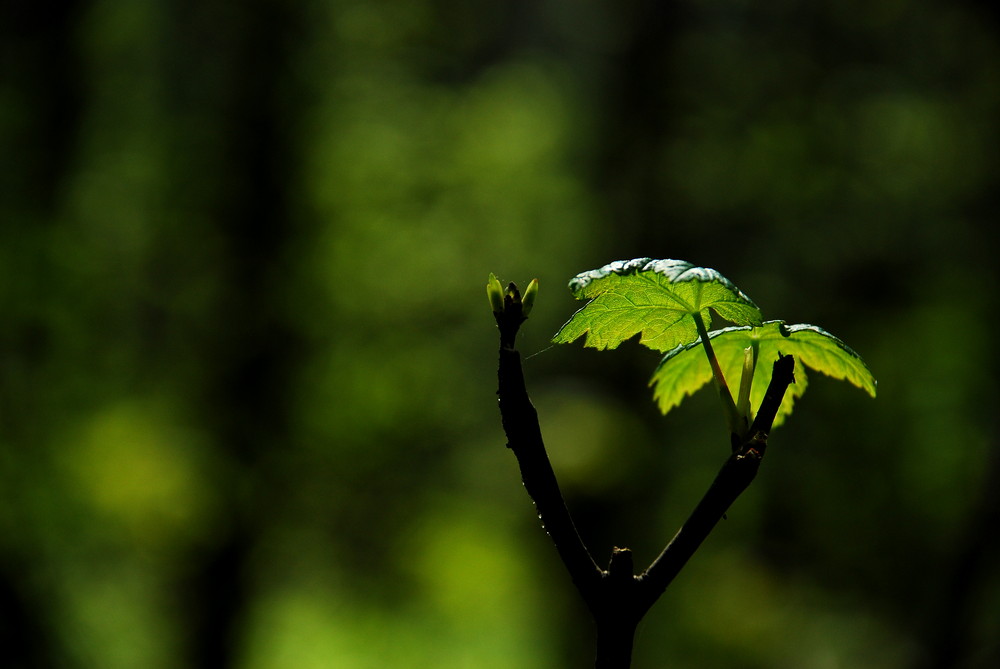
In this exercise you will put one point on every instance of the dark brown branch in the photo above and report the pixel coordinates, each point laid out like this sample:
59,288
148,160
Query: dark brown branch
736,474
782,376
610,595
524,438
617,598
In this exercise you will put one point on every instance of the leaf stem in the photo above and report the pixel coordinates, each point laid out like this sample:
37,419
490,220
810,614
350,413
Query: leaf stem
746,382
728,405
743,407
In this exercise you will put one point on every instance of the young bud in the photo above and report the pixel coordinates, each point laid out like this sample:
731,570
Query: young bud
494,290
512,295
528,300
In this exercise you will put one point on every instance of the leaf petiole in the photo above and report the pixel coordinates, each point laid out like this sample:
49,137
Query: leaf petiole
733,417
746,383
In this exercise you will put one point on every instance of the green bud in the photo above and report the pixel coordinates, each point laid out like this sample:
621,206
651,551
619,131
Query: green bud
528,300
512,294
494,290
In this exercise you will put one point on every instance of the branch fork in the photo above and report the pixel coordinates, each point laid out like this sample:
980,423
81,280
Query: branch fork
617,597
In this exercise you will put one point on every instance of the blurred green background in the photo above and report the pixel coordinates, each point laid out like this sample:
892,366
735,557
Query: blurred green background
247,366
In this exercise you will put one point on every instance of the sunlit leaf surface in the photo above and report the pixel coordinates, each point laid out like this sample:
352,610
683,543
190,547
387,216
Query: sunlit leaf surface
656,298
685,369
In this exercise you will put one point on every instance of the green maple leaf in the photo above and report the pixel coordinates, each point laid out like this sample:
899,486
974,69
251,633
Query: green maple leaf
685,369
663,300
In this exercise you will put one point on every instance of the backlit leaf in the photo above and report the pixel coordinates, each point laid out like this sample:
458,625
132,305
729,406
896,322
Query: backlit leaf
685,369
654,298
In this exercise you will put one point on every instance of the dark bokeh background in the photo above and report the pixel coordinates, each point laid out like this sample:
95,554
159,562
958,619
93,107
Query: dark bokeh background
247,411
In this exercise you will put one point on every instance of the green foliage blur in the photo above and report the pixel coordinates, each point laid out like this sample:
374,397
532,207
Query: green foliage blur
247,367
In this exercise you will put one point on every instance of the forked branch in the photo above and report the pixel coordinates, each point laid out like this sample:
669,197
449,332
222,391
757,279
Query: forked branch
616,597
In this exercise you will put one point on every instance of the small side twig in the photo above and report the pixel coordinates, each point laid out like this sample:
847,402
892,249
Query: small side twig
736,474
